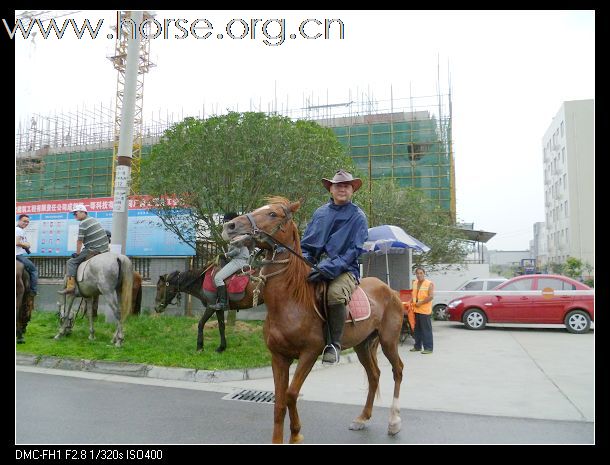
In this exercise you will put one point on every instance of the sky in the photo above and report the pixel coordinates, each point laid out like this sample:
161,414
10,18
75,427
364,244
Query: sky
508,71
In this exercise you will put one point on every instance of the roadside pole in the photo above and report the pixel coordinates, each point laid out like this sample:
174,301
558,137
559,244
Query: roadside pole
122,178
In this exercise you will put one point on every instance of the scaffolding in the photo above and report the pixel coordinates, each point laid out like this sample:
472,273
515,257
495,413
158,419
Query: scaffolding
405,139
410,146
70,154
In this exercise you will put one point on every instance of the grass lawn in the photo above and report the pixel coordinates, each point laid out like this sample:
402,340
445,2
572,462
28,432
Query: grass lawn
154,339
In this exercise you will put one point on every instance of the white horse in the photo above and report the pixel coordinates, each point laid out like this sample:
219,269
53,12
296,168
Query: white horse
107,274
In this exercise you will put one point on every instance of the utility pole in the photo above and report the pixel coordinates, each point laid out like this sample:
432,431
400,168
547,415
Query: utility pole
122,178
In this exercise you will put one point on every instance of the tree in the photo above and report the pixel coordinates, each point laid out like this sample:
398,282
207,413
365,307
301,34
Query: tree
556,268
409,209
573,267
231,162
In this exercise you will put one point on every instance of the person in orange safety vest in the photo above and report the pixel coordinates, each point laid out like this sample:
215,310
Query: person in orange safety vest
423,293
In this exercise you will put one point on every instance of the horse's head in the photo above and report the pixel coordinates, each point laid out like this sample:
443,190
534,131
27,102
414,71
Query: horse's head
273,220
167,289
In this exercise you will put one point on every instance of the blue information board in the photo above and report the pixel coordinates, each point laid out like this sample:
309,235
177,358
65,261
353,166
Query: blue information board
55,234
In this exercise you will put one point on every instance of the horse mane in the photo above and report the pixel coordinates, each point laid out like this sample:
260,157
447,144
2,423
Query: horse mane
297,270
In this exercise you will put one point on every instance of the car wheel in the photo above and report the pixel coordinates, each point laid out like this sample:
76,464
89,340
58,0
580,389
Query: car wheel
475,319
577,322
440,312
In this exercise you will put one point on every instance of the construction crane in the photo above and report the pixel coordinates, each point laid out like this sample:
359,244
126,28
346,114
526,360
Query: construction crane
119,60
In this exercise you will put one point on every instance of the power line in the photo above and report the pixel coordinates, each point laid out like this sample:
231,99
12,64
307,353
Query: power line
43,15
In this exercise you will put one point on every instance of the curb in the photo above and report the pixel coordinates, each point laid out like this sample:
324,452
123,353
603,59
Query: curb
151,371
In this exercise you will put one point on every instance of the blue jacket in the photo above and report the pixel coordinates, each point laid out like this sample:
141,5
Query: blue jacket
339,231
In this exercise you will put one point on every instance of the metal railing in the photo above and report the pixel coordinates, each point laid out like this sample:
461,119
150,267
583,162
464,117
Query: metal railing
55,267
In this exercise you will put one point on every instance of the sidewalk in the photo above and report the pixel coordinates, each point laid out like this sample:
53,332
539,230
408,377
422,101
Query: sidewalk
542,372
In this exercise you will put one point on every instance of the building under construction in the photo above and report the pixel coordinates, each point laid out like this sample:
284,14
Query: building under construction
410,144
70,155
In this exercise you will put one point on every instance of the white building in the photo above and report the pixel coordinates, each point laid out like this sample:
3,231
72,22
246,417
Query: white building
538,246
568,148
507,258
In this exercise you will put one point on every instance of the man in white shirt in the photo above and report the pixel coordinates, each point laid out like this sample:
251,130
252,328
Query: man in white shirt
22,247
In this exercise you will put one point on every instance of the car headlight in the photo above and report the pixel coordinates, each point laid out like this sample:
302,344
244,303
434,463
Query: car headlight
454,303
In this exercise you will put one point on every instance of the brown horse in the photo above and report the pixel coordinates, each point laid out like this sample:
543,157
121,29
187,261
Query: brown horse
169,286
293,330
24,300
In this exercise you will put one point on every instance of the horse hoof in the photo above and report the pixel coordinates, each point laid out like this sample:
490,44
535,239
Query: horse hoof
20,341
220,349
200,350
357,426
298,439
92,338
394,428
57,336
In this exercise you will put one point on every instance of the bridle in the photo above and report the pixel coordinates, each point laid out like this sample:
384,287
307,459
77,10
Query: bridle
176,299
261,235
269,239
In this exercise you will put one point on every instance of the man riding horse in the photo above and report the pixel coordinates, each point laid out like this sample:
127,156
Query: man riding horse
22,247
239,254
92,240
338,230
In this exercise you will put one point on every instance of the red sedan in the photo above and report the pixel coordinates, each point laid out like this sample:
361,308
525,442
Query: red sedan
538,298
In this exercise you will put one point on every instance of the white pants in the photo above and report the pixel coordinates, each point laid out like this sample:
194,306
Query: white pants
233,266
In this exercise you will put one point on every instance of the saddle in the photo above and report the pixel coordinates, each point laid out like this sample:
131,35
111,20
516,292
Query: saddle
357,309
81,268
236,283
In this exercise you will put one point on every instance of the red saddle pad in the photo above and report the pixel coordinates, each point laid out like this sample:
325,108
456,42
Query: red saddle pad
359,306
236,284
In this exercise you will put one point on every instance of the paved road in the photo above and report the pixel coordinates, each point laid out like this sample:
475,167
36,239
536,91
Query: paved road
478,387
57,407
542,372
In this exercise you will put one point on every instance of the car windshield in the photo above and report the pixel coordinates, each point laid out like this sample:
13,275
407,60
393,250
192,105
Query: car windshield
494,284
474,286
518,285
463,285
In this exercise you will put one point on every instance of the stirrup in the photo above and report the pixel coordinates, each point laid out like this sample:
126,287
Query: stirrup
330,355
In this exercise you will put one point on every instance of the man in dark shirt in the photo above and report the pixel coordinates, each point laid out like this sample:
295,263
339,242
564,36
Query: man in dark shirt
333,240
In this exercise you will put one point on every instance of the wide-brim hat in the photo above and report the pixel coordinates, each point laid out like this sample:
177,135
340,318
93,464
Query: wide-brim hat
342,176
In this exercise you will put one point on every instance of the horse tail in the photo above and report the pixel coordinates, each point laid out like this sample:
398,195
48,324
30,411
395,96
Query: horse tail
137,293
126,279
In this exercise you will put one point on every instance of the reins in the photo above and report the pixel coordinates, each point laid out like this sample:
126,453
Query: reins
261,279
274,242
184,286
276,246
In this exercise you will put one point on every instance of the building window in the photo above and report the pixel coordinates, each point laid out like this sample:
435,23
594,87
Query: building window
565,208
563,155
565,182
562,129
